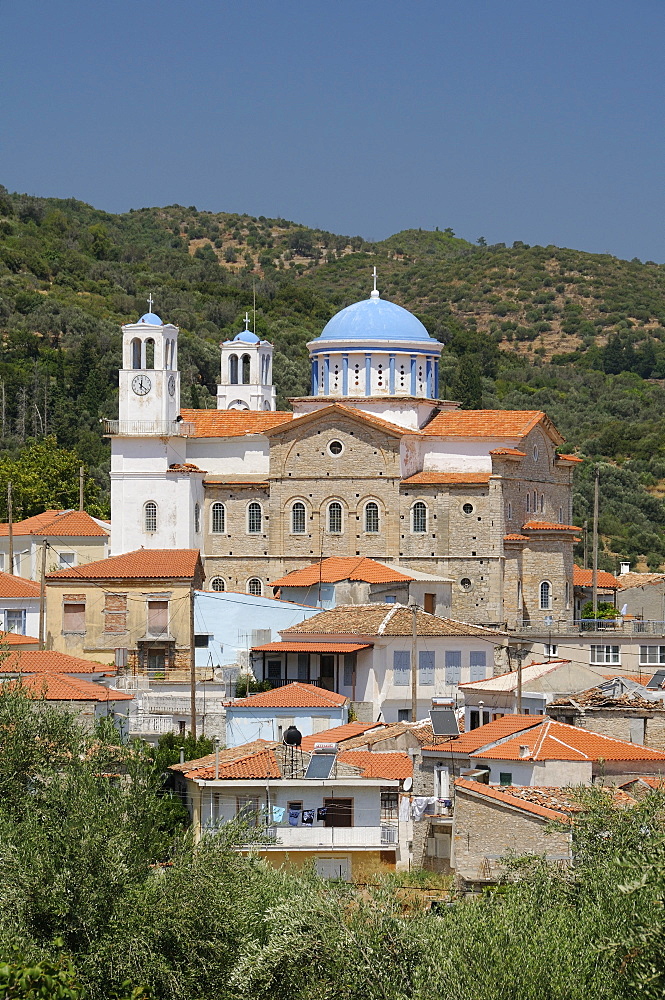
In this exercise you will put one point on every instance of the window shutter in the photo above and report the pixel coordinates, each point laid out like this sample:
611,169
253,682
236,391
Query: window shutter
401,667
426,661
477,665
453,660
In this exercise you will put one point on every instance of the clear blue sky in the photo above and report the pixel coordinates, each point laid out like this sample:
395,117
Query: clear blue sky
510,119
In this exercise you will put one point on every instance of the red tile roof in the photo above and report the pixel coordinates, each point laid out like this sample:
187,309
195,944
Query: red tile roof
61,687
508,452
63,523
490,424
225,756
312,647
295,695
385,619
483,736
447,479
569,458
393,765
339,734
233,423
14,639
358,416
336,568
584,578
257,765
558,741
17,586
516,538
505,797
47,661
640,579
142,564
548,526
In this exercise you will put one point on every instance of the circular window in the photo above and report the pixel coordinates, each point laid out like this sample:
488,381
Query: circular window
217,584
468,508
465,583
335,448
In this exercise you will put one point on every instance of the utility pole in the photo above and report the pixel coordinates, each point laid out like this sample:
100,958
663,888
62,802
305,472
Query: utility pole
192,665
594,577
10,528
81,484
414,663
585,528
518,653
42,598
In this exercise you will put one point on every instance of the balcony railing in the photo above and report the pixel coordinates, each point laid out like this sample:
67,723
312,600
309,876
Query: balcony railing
149,428
152,724
328,838
584,626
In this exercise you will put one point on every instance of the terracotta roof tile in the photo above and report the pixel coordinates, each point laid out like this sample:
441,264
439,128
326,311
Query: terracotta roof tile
447,479
584,578
483,736
312,647
340,734
61,523
233,423
336,568
548,526
61,687
17,586
255,766
640,579
516,538
508,452
558,741
490,424
421,730
392,765
507,798
225,756
358,416
569,458
295,695
47,661
383,619
142,564
14,639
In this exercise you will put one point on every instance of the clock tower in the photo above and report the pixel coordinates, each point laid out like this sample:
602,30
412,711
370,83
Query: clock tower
149,379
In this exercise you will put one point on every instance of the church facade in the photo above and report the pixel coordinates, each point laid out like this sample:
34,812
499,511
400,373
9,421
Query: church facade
370,464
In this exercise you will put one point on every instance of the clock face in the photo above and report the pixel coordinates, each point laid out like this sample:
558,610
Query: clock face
141,385
172,386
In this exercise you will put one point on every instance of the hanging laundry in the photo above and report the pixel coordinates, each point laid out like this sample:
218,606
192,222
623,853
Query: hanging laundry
321,814
404,809
420,806
307,817
278,814
294,817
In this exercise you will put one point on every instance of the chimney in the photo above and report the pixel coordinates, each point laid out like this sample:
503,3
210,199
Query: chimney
525,751
625,568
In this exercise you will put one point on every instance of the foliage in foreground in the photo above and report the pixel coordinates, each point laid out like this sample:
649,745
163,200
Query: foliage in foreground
93,873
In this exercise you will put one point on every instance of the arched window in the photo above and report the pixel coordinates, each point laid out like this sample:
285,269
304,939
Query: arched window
335,518
542,502
254,518
255,587
150,516
136,353
419,518
545,596
560,515
246,362
372,518
197,517
510,512
233,369
217,584
150,353
298,518
528,502
218,519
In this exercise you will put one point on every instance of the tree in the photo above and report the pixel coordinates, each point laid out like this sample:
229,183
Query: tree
44,477
468,385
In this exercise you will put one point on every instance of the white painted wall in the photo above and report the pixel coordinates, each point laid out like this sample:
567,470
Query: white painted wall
246,724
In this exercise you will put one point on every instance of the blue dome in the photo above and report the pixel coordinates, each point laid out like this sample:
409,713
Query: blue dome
374,319
246,337
152,319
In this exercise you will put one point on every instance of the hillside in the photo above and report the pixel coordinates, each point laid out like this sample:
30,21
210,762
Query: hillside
580,335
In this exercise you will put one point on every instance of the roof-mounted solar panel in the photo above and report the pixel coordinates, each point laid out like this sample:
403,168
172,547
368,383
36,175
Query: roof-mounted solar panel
320,765
444,722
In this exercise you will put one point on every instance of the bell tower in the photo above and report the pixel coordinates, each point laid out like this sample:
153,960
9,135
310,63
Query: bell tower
246,375
149,378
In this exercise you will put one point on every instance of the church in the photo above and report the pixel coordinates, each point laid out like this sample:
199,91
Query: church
371,464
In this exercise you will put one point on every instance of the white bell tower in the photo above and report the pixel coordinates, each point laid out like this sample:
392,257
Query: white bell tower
149,378
246,376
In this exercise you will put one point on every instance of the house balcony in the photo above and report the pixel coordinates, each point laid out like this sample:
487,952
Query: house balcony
327,838
591,627
148,428
152,725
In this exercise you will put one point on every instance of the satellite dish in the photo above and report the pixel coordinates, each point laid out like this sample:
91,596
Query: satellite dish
407,784
292,737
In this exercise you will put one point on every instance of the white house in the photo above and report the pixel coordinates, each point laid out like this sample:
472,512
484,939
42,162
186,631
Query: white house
364,653
19,606
302,807
73,538
269,714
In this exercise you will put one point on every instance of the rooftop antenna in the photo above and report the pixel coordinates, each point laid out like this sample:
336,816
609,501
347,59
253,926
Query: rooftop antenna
375,293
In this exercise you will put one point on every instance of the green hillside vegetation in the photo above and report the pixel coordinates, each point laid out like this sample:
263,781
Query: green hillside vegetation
579,335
